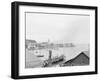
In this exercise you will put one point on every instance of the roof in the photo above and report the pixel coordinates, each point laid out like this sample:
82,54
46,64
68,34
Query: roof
78,56
31,41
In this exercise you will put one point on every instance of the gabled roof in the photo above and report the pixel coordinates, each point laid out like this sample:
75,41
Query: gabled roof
78,56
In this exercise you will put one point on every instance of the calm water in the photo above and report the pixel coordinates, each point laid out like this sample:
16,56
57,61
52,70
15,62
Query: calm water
68,52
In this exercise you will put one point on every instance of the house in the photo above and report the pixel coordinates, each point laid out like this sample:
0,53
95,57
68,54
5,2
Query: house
79,60
30,44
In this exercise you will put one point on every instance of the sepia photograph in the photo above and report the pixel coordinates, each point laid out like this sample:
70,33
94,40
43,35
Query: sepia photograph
56,40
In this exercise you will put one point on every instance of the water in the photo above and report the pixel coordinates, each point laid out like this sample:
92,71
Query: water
68,52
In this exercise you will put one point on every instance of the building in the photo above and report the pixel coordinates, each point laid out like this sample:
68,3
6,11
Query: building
69,45
81,59
30,44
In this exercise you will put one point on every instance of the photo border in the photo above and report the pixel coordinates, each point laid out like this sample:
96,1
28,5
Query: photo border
15,39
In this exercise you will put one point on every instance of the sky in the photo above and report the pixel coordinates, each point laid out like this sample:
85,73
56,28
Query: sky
58,28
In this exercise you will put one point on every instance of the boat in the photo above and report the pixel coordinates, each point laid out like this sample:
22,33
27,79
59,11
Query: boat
40,55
